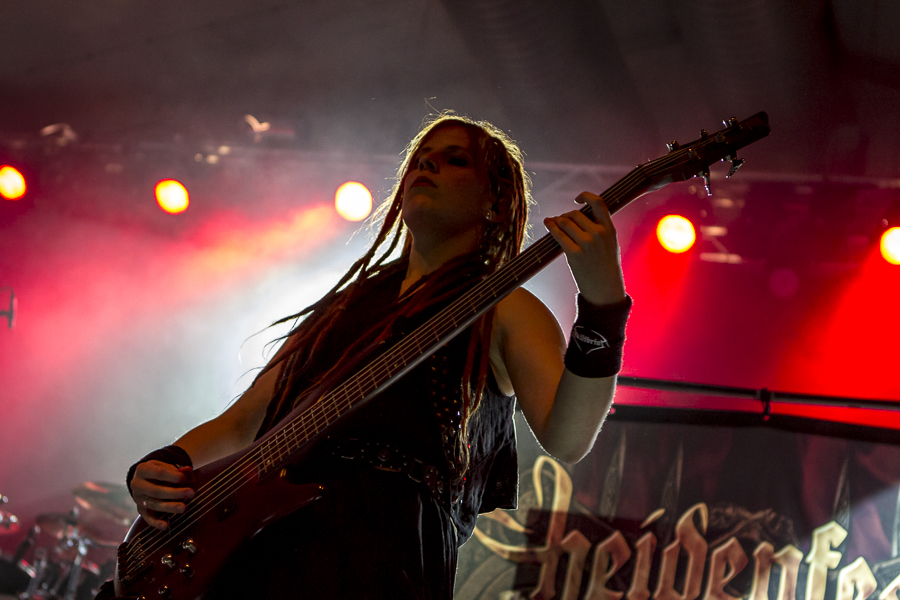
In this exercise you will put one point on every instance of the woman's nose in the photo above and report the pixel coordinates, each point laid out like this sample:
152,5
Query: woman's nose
426,163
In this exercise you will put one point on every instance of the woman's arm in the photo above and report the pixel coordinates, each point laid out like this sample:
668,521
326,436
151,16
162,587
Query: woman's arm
235,428
565,411
159,488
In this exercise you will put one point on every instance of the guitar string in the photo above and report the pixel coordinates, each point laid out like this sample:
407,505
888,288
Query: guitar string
289,442
538,256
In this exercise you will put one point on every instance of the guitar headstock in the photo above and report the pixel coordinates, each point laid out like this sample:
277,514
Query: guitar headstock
690,160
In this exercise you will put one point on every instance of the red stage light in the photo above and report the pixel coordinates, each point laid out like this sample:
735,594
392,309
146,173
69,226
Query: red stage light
171,196
676,234
353,201
890,245
12,183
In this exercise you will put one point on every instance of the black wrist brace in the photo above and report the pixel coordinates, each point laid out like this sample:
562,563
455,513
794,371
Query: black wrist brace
598,336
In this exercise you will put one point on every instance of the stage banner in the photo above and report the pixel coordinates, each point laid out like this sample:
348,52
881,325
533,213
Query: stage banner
685,512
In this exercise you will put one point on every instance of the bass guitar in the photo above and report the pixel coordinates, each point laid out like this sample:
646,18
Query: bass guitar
239,495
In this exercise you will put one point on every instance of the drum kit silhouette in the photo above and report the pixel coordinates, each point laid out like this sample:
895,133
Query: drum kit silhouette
66,556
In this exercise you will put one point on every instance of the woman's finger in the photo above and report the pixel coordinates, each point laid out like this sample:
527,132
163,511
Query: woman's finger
164,506
158,492
585,223
575,231
154,470
561,237
598,206
153,519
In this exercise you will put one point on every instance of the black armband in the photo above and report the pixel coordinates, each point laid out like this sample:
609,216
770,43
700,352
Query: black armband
173,455
598,336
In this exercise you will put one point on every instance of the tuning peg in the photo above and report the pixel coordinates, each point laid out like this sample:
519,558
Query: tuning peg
673,146
735,165
705,175
732,122
703,134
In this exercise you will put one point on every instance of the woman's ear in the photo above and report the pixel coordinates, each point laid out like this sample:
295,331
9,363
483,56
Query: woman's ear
500,210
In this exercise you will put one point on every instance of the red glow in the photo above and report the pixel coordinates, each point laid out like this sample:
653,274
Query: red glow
230,244
890,245
659,279
172,196
12,183
116,294
850,347
676,233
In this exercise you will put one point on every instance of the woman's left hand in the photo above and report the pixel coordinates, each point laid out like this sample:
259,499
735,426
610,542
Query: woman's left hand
592,250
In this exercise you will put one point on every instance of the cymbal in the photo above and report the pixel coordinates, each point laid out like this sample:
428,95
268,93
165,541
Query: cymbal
111,499
66,526
57,524
8,523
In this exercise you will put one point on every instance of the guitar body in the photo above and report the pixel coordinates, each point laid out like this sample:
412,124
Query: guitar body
182,563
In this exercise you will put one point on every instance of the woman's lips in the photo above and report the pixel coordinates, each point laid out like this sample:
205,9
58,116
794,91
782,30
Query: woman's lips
419,181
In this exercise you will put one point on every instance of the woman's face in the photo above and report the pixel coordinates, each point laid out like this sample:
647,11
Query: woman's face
446,190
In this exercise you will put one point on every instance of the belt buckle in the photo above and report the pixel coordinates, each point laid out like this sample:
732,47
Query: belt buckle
416,470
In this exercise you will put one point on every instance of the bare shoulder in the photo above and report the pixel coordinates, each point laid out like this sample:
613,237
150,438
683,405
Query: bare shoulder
522,308
524,333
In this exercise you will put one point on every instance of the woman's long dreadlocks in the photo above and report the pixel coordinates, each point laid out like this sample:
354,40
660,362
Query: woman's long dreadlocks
511,187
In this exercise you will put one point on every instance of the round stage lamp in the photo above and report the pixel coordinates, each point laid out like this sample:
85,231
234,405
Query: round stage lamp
353,201
675,233
890,245
12,183
172,196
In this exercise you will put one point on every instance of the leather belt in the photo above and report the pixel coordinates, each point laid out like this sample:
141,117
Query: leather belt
389,457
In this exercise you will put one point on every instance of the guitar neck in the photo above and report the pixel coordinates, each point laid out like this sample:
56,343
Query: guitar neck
681,163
